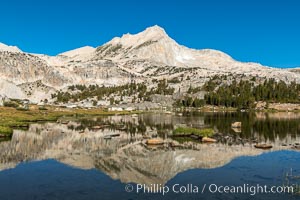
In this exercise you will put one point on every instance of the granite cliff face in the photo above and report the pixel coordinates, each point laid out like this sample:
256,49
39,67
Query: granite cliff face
141,57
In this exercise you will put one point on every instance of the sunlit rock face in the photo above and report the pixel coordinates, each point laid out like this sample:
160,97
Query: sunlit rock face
150,54
125,157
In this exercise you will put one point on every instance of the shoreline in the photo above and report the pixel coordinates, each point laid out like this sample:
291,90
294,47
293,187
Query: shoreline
12,118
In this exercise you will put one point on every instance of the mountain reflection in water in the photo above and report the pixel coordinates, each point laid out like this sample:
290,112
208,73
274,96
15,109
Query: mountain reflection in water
81,143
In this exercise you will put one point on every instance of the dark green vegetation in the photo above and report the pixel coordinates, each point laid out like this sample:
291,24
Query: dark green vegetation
138,90
12,104
5,131
190,102
242,94
223,91
21,105
186,131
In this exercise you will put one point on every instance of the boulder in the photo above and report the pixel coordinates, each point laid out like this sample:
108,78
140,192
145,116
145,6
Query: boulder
96,127
263,146
261,105
208,139
175,144
155,141
236,125
237,130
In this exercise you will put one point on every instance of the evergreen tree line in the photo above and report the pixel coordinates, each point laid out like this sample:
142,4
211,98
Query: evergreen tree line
190,102
244,94
77,93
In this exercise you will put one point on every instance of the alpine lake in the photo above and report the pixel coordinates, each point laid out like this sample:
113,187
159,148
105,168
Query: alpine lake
107,157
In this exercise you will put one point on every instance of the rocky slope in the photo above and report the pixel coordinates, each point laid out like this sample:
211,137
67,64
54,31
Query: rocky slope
148,55
295,70
4,47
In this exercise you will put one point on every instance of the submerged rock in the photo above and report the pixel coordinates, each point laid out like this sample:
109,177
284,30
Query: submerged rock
208,139
263,146
236,125
155,141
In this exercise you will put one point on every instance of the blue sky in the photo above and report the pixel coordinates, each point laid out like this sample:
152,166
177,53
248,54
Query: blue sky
261,31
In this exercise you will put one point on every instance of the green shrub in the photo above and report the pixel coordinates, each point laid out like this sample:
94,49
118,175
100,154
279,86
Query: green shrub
11,104
6,130
207,132
42,108
22,108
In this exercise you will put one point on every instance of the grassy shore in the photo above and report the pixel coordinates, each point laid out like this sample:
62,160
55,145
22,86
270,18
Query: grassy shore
187,131
12,118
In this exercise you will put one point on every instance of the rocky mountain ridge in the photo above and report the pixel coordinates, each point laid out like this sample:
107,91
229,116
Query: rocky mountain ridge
140,57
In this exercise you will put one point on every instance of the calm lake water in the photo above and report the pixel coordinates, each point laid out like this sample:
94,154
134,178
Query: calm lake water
102,157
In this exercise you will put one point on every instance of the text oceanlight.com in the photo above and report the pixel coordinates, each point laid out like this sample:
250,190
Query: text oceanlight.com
210,188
